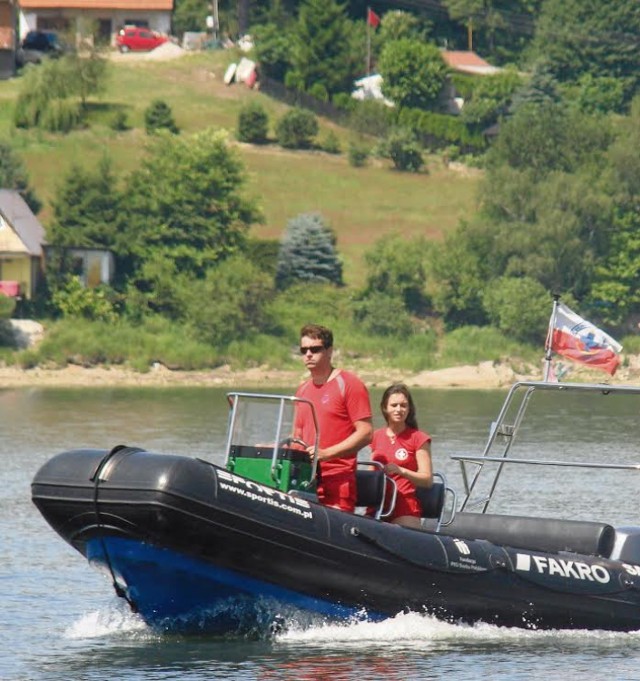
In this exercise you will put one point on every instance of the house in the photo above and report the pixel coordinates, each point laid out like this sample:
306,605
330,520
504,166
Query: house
7,38
109,16
93,266
462,61
21,239
468,62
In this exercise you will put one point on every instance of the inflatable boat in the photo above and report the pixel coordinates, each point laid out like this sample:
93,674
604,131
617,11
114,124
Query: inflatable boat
245,546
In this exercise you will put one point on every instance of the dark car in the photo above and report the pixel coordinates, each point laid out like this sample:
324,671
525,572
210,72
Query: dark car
38,45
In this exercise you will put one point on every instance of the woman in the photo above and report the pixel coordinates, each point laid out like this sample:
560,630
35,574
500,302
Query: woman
404,451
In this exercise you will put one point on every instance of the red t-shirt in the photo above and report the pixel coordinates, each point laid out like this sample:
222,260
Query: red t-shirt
338,404
402,452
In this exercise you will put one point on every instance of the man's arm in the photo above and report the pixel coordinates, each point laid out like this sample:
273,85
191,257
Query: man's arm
360,437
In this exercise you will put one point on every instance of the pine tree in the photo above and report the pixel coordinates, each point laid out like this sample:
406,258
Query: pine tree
86,208
321,51
308,252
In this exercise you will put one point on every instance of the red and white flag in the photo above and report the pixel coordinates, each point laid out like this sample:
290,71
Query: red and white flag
372,18
577,339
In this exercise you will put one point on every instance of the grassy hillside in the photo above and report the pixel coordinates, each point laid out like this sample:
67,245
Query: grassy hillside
361,204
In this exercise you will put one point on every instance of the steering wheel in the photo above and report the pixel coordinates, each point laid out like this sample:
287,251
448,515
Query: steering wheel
293,441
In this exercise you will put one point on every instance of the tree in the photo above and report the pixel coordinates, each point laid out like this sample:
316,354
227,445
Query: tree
397,24
53,95
273,49
41,89
615,291
87,64
471,12
14,175
541,89
190,15
185,203
576,37
459,275
519,307
599,95
546,138
490,98
308,252
624,156
321,51
86,208
413,72
396,267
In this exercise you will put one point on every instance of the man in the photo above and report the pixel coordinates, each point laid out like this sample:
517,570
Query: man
343,410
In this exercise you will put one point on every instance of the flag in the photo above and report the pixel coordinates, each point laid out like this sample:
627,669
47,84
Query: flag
577,339
372,18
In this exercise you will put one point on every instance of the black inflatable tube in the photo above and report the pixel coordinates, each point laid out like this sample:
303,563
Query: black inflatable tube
535,534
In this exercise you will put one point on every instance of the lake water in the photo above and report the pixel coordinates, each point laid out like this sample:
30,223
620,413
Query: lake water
59,618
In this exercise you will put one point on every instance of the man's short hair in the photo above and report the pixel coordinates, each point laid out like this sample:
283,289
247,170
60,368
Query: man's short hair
318,332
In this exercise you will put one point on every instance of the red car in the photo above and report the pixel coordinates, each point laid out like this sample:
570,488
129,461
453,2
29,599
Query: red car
137,38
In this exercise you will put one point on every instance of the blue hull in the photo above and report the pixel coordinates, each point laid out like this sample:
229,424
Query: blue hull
176,592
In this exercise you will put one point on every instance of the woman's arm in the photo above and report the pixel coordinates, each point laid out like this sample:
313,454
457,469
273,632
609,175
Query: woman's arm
423,477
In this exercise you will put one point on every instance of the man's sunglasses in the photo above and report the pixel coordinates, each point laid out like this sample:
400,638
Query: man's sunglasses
314,349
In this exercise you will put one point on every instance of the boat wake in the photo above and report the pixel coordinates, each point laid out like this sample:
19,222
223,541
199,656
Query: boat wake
290,628
424,630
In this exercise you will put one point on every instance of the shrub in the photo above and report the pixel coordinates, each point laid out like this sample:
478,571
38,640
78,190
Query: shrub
253,124
373,314
319,91
235,294
344,101
75,300
358,154
119,121
7,306
371,117
263,253
61,115
159,115
439,130
297,129
404,150
331,143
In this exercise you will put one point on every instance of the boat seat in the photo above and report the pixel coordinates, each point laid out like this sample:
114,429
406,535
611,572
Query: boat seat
376,491
431,499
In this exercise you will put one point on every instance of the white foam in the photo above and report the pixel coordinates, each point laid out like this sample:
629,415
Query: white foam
425,630
108,622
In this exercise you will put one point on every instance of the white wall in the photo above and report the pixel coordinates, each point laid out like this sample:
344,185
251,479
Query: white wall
158,21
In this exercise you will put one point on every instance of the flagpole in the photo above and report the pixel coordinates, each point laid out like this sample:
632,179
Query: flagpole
548,355
368,43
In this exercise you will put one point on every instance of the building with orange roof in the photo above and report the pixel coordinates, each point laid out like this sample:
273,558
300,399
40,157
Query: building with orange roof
107,15
468,62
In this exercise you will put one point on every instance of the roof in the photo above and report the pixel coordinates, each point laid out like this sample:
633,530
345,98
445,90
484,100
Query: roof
130,5
20,217
468,62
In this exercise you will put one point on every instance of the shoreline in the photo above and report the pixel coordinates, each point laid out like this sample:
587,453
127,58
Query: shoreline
483,376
